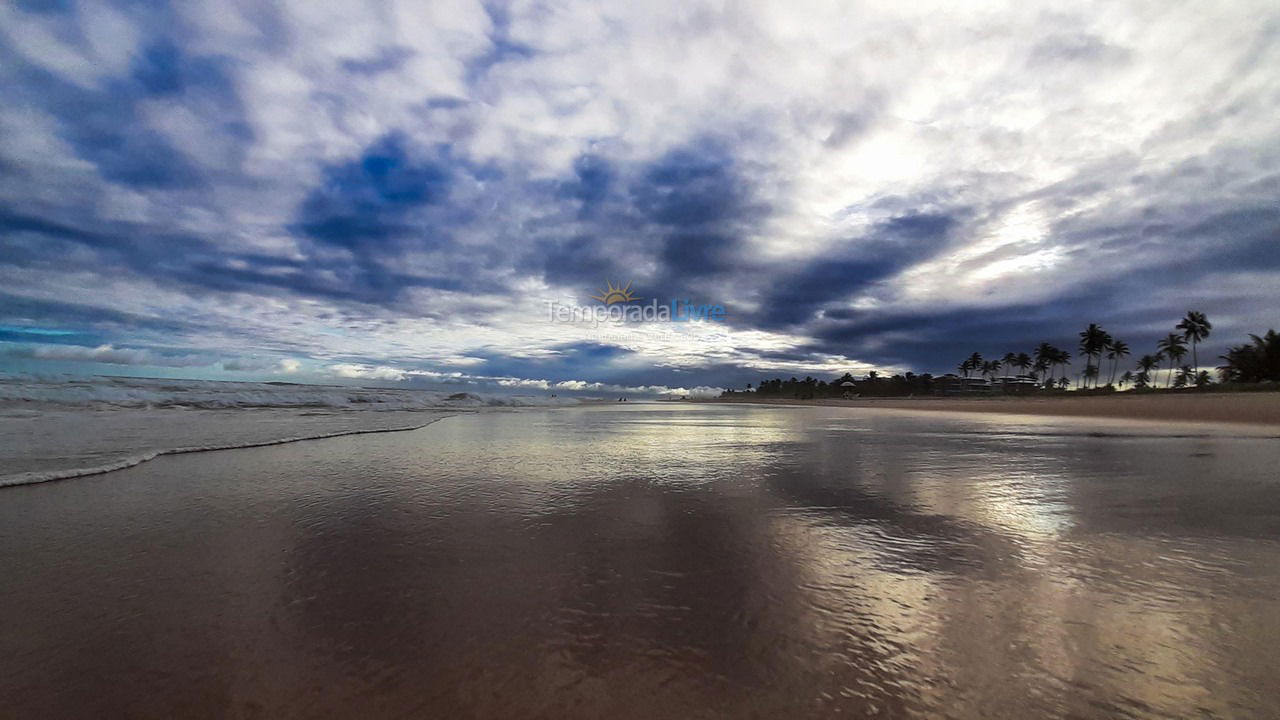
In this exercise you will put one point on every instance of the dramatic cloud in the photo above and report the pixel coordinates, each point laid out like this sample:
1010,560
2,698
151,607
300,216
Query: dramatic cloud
398,193
106,354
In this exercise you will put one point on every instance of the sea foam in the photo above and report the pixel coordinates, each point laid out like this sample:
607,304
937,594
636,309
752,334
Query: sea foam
34,477
208,394
55,428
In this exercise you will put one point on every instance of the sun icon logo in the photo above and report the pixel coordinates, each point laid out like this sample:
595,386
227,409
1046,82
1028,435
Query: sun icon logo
611,295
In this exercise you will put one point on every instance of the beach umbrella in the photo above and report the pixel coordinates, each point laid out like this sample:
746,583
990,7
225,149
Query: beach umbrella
846,383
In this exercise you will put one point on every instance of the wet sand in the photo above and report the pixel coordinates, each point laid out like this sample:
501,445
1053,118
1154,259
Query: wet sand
1255,408
658,561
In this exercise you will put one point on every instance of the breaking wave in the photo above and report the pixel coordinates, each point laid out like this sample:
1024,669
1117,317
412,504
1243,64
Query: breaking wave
34,477
107,392
60,427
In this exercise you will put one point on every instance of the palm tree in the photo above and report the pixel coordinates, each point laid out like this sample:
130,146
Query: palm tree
1092,340
1040,366
1063,358
1116,351
963,367
1106,343
1091,373
1044,354
975,362
1126,378
1186,376
1022,362
1195,327
1147,365
1257,362
1174,347
1063,382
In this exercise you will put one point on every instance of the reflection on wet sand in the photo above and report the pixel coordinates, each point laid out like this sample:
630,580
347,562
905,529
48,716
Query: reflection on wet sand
657,561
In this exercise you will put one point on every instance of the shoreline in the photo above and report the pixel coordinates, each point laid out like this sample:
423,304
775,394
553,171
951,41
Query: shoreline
37,477
1256,409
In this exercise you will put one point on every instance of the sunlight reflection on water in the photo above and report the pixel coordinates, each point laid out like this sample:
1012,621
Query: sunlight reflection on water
660,561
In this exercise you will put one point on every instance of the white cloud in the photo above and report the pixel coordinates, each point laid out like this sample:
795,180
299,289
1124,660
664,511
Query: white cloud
1045,123
367,372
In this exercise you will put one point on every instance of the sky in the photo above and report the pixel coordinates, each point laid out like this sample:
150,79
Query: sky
402,192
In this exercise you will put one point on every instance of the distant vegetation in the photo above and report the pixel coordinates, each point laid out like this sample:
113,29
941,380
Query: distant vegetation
872,385
1258,361
1047,369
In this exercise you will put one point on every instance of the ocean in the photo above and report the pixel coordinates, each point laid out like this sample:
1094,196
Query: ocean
655,560
59,427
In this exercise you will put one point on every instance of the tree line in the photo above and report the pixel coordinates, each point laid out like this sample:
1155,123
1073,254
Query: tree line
1104,355
1048,367
873,385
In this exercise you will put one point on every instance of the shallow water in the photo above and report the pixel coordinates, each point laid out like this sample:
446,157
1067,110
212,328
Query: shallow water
657,561
62,426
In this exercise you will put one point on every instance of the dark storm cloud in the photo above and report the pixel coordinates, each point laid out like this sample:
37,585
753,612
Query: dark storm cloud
368,203
665,223
669,223
594,178
691,255
937,340
690,187
567,361
1132,307
34,242
1240,238
358,222
79,317
795,296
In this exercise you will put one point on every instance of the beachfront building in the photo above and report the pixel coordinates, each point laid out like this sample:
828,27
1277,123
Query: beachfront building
1008,384
957,385
1014,384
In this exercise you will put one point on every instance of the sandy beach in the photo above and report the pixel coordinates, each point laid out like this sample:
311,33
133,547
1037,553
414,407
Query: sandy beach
1261,408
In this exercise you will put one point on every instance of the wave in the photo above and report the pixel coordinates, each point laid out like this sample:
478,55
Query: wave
36,477
108,393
